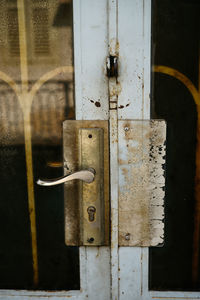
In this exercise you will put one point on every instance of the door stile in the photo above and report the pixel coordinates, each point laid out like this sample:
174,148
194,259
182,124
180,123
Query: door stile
134,21
91,94
113,123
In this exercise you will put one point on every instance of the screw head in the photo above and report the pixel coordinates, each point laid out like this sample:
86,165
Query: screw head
127,237
90,240
126,128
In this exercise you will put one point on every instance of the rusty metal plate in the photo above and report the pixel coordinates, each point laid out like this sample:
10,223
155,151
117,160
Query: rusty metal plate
142,181
80,150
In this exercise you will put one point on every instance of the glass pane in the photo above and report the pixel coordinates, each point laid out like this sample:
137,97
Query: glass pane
36,96
176,98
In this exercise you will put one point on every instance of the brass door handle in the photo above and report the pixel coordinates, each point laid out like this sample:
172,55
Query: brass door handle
84,175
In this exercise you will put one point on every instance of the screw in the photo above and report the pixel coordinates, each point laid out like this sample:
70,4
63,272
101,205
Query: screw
126,128
90,240
127,237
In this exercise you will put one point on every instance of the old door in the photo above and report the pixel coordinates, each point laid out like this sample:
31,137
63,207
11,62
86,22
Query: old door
52,69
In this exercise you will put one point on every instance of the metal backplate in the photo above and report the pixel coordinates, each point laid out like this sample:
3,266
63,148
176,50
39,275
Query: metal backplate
85,144
141,182
91,204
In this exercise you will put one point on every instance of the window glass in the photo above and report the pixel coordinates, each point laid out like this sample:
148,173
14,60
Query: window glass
176,98
36,96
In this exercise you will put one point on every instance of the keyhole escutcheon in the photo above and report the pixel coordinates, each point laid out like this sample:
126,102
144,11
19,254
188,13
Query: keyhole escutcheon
91,213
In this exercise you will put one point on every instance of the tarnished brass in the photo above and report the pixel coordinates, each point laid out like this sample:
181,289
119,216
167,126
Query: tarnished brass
86,205
91,154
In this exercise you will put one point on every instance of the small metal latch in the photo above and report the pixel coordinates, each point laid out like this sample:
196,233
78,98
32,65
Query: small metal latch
112,66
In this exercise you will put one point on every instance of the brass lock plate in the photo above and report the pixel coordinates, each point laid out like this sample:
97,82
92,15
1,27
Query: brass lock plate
85,145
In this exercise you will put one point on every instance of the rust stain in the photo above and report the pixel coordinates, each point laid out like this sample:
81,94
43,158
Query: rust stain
114,47
97,104
117,48
196,96
115,90
141,262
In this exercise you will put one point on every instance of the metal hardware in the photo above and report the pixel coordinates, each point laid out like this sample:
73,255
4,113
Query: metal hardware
85,144
91,153
127,237
141,182
112,66
91,213
84,175
90,240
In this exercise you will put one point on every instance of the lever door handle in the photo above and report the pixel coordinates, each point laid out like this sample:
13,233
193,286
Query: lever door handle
84,175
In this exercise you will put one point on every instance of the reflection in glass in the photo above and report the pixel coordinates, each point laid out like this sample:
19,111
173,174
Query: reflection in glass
36,96
176,98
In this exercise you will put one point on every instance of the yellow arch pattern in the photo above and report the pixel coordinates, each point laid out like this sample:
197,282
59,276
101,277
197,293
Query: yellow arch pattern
25,98
196,96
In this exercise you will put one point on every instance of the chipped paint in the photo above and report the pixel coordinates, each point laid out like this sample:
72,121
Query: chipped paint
141,176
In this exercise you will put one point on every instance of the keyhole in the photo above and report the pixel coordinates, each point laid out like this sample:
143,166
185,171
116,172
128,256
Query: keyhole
91,213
